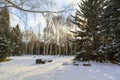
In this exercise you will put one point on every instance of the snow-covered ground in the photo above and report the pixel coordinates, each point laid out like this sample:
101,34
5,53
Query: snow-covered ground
24,68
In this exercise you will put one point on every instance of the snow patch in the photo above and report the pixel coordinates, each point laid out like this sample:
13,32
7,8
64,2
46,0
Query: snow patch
62,68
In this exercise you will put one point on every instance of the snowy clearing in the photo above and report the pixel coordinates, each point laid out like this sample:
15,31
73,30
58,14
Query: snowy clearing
24,68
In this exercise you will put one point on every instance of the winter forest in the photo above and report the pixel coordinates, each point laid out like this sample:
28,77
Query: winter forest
59,39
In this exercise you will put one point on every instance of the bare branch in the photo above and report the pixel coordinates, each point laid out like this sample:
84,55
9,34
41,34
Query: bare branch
35,11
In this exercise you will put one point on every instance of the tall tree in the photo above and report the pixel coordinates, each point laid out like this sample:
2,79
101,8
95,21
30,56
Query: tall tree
88,18
110,29
4,33
4,47
16,39
4,22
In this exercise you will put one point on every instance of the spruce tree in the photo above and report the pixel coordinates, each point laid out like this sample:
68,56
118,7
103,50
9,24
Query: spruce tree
88,18
110,30
4,22
16,40
5,48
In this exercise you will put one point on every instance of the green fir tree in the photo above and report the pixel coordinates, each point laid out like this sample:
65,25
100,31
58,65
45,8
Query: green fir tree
88,18
110,30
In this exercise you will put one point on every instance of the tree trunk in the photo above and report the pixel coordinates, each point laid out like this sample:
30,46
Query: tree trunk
59,50
51,49
56,52
44,49
47,49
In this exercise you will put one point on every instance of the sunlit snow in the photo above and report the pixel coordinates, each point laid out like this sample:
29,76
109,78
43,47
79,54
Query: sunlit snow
24,68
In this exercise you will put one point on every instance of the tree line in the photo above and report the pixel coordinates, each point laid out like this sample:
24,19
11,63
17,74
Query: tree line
54,40
12,41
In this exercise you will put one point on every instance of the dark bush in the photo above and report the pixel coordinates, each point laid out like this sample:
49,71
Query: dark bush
40,61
